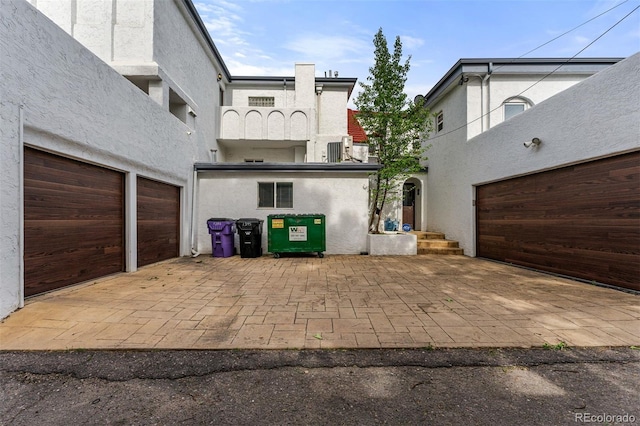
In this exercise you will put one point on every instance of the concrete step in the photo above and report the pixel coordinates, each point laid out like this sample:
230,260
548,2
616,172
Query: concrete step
437,244
441,251
422,235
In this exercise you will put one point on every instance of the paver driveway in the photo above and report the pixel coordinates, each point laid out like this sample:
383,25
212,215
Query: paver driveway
338,301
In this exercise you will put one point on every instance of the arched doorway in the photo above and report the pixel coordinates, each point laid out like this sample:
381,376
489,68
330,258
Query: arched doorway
412,203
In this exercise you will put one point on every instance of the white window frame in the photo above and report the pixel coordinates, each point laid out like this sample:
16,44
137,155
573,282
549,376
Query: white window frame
277,203
439,122
513,103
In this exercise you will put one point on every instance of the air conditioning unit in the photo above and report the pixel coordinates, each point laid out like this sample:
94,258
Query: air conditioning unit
347,146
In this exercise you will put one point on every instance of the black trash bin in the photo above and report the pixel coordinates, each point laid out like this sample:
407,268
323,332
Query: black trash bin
250,232
222,231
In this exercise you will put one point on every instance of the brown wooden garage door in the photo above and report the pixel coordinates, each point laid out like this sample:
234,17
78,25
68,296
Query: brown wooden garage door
581,221
158,218
73,222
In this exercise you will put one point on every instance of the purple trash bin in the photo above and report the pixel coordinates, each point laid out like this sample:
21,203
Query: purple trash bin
222,232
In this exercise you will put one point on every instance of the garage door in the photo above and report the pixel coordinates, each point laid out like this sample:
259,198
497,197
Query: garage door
73,222
158,218
582,221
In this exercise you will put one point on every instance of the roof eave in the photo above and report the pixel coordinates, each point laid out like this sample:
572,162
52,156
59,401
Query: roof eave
488,65
344,167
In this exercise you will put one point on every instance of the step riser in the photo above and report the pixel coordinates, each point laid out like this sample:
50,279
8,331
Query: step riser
437,244
452,252
428,235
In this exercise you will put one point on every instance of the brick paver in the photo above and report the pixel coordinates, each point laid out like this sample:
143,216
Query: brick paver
334,302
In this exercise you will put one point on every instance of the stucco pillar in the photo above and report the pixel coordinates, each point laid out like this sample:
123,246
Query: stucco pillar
305,85
159,92
131,221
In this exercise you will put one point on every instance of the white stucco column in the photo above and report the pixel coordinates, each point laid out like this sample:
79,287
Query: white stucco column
159,92
131,221
305,85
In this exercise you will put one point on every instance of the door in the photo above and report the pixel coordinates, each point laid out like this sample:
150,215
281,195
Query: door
409,204
582,221
158,218
73,221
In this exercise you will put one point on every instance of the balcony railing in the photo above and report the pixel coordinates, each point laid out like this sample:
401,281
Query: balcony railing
265,123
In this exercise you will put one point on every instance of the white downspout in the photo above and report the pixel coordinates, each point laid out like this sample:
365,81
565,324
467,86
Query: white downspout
486,104
284,80
21,207
194,186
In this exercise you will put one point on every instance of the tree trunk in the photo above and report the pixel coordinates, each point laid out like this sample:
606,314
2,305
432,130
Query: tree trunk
384,197
374,209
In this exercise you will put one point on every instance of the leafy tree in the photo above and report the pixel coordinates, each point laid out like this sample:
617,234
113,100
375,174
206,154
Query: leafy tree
394,125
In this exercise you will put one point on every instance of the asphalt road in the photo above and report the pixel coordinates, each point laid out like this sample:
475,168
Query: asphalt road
362,387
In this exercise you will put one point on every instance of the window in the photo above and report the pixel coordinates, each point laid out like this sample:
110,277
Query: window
439,122
275,194
511,109
261,101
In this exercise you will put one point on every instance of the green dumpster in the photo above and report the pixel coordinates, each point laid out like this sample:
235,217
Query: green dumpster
296,233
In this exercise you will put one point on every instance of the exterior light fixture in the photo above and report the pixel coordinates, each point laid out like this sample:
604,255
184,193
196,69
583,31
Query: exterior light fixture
532,142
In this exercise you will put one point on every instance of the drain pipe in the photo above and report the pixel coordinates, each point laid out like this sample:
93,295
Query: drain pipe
485,81
21,206
194,251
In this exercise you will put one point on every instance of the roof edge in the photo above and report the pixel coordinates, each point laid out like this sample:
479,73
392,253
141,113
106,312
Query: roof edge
457,69
345,167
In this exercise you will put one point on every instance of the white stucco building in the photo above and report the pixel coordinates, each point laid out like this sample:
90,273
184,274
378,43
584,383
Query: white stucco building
478,94
567,205
112,111
123,132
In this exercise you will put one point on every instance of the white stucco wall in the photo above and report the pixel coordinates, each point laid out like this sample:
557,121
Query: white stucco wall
315,118
341,197
282,97
155,40
596,118
114,30
73,104
267,155
503,87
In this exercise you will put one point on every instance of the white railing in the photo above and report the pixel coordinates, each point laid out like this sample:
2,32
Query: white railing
265,123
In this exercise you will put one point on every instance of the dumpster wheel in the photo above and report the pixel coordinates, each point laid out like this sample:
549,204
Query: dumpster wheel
276,255
320,254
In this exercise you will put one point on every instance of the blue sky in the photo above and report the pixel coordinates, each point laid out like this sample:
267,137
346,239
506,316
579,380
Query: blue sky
267,37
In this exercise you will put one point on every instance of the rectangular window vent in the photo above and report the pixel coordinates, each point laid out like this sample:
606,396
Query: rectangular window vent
261,101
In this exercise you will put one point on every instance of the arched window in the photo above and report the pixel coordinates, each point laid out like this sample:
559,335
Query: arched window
515,105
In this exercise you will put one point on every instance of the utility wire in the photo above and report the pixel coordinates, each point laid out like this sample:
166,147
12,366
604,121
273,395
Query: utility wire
550,73
563,34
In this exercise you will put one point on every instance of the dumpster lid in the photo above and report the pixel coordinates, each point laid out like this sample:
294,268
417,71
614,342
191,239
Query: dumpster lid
282,216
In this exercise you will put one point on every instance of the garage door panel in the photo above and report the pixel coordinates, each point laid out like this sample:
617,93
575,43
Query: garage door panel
62,172
49,206
158,214
73,221
582,221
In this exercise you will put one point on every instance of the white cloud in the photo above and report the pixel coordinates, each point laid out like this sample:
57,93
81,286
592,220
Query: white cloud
410,43
223,21
329,48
